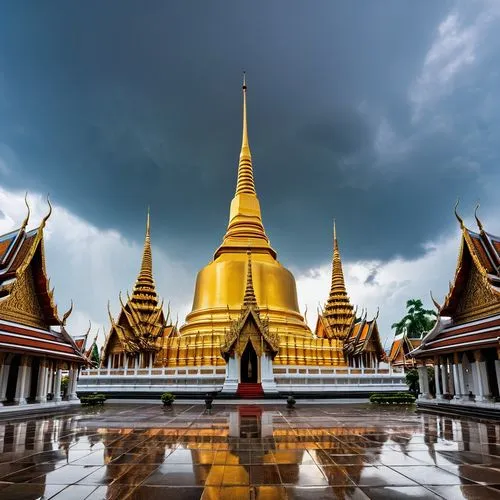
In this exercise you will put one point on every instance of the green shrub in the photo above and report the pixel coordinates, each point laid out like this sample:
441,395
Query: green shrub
167,398
393,398
93,399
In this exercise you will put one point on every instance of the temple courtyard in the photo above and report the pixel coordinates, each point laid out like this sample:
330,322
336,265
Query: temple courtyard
247,451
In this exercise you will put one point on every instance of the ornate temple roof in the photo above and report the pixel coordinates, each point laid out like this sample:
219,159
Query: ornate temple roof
141,323
338,317
364,336
400,348
27,306
479,251
250,312
470,315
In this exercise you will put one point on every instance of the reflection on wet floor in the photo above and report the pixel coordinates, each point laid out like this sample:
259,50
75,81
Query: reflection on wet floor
247,452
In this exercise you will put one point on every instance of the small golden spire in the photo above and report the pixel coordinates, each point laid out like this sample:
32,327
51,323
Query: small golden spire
249,298
245,183
338,309
144,290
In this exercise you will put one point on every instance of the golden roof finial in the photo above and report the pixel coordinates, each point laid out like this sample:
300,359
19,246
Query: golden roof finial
245,183
46,218
460,220
67,314
479,223
26,220
434,301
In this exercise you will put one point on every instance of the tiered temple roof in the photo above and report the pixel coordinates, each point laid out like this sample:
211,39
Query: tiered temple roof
338,317
258,334
141,324
27,306
338,320
470,315
364,337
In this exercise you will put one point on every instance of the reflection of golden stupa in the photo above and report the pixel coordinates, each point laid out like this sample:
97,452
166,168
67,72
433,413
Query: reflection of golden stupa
220,285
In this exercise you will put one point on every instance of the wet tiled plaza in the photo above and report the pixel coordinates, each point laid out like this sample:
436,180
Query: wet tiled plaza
246,452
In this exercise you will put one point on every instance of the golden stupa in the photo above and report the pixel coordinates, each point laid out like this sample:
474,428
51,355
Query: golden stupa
220,285
243,297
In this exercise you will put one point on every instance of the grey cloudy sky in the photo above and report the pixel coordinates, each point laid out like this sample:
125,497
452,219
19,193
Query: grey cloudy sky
379,114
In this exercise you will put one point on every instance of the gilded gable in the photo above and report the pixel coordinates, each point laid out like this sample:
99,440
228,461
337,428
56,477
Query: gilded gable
22,305
477,298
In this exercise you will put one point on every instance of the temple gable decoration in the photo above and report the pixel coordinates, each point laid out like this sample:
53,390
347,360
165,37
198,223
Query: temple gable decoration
250,327
25,294
475,291
364,337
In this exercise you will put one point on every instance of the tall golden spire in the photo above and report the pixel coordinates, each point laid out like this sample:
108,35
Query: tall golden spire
144,289
245,183
245,229
338,309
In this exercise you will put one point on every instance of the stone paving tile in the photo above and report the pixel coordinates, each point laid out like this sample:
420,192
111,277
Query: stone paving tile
319,451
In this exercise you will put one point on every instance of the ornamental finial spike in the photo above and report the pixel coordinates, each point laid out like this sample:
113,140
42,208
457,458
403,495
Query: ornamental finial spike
434,301
26,220
479,223
67,314
148,231
460,220
46,218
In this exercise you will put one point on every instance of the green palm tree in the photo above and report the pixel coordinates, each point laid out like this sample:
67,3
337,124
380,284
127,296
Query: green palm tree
417,321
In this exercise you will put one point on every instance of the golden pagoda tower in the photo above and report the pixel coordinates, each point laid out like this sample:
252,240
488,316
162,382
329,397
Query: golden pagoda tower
220,286
139,332
338,316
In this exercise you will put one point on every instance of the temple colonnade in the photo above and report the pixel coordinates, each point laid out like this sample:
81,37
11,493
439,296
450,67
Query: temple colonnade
464,376
31,379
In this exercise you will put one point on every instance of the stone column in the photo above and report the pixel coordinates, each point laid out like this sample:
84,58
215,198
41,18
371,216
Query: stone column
267,374
437,379
497,368
109,361
423,380
458,377
232,376
50,378
72,385
22,376
456,382
4,376
444,376
57,385
451,376
41,391
482,378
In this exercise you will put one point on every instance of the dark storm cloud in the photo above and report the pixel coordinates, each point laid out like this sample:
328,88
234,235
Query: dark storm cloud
112,106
